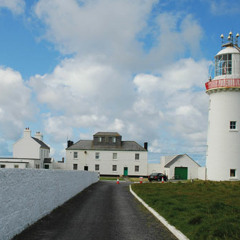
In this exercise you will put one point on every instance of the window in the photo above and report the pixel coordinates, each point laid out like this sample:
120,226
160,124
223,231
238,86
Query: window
37,166
114,168
136,168
232,172
223,64
97,167
233,124
100,139
136,156
16,166
2,166
97,155
75,155
75,166
46,166
114,155
114,139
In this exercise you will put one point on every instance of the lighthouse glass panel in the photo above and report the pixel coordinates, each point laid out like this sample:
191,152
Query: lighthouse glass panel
223,64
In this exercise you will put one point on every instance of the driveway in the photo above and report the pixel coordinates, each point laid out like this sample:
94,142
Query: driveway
103,211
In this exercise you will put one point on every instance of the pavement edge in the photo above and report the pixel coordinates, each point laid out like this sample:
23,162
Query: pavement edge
171,228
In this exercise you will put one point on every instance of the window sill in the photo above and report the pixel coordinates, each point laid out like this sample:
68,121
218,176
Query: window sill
233,130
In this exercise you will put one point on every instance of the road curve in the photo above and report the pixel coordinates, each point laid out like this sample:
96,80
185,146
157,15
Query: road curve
103,211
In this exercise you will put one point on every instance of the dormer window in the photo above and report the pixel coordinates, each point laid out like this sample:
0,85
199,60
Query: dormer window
223,64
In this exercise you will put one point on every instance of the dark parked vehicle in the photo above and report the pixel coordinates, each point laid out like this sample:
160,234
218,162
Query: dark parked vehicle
157,177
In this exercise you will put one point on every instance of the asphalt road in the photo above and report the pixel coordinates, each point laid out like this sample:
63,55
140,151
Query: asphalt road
103,211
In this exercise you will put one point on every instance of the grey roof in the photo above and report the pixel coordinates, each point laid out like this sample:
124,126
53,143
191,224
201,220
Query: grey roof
115,134
88,145
175,160
43,145
47,160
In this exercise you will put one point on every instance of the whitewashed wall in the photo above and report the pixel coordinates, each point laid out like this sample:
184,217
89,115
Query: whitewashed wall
106,161
26,195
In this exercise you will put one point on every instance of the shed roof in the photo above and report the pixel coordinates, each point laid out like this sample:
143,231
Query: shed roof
176,158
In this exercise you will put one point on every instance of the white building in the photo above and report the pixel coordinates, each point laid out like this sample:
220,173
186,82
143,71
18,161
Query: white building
28,152
223,144
108,155
178,167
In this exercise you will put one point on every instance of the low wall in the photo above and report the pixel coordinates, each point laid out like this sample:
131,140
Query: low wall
26,195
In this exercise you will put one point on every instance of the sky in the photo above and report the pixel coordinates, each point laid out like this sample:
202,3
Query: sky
72,68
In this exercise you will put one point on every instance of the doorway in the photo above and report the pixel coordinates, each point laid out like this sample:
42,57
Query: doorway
125,171
181,173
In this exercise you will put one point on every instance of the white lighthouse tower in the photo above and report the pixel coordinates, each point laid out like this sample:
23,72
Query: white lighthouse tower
223,144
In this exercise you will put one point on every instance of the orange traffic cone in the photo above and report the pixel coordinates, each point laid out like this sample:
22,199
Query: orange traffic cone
117,181
162,180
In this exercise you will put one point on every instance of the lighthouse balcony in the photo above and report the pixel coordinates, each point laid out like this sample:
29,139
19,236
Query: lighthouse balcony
223,84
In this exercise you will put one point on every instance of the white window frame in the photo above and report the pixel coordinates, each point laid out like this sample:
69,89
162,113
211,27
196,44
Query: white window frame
97,155
233,126
75,166
235,171
114,156
97,167
137,156
75,155
114,168
136,168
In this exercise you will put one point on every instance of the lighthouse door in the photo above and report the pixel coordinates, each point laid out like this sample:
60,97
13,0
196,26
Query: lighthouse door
181,173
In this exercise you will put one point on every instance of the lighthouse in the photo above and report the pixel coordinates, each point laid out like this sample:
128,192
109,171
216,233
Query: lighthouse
223,140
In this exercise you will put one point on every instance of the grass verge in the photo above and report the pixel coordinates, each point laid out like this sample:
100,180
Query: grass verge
112,178
201,210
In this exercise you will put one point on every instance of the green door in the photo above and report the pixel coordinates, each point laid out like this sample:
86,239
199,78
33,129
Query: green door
181,173
125,171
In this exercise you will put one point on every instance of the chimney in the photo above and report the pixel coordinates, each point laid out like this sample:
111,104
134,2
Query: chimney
69,143
39,136
27,132
146,145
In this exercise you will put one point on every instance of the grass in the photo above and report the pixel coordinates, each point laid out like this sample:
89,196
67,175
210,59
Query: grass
201,210
112,178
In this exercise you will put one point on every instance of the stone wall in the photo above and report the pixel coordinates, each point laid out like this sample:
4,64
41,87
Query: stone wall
26,195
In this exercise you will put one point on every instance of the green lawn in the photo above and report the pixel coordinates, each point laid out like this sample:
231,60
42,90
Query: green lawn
112,178
200,210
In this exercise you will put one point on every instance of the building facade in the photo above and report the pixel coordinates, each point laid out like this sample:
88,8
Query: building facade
179,167
223,143
108,155
28,152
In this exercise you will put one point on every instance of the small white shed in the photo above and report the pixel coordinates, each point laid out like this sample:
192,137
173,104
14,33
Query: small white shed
180,167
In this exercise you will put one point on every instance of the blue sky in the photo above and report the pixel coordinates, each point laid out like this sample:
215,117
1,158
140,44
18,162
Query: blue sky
72,68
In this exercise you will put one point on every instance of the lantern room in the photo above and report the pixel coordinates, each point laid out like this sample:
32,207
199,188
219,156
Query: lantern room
227,65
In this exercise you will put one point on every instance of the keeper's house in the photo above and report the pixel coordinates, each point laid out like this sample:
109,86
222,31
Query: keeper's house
108,155
28,152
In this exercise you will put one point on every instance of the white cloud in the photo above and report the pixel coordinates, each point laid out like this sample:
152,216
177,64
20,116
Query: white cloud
224,7
15,103
98,88
16,6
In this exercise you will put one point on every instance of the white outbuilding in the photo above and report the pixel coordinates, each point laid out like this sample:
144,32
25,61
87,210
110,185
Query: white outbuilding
178,167
28,152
